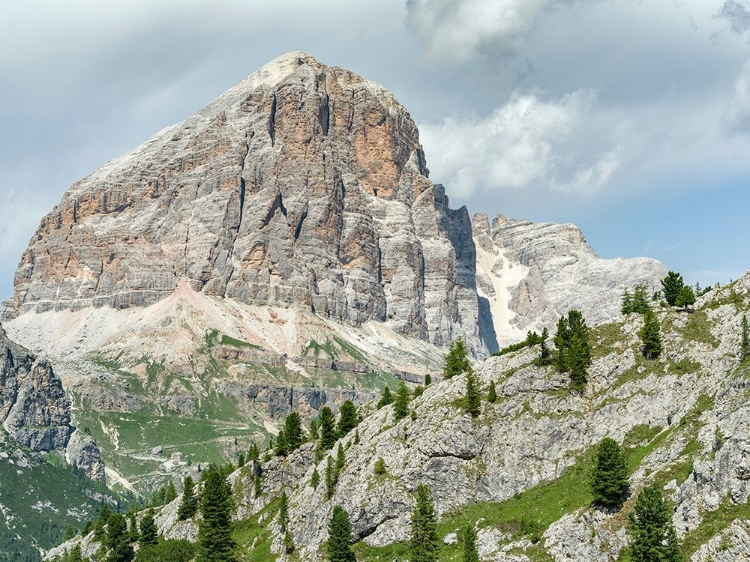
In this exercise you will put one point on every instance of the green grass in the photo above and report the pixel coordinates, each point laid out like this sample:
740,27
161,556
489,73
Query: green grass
713,523
233,342
314,348
253,537
698,328
685,366
605,339
353,352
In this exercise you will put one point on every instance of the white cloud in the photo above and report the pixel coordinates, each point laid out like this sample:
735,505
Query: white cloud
528,141
736,117
458,29
737,13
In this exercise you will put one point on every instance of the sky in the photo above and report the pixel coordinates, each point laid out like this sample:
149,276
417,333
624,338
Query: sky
628,118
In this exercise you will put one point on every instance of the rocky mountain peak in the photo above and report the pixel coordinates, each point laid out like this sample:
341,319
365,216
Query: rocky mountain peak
304,185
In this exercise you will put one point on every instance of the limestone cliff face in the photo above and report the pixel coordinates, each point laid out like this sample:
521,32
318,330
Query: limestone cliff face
304,184
532,273
35,410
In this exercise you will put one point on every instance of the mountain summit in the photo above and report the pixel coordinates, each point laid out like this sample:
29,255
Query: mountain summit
302,185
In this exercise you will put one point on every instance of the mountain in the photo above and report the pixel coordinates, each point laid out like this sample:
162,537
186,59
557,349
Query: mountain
519,471
281,249
51,473
533,273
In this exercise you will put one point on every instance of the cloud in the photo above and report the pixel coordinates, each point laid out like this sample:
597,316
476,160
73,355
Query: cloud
736,117
737,13
528,141
459,29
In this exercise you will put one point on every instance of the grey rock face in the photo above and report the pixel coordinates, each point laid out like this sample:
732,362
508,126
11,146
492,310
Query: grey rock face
532,273
304,184
35,410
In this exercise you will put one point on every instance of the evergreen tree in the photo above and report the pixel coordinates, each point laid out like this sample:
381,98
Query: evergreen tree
257,487
118,540
640,299
626,302
134,535
189,503
356,436
685,298
651,529
471,554
609,478
348,419
492,393
293,431
327,429
253,454
170,493
380,467
745,342
428,379
330,478
69,533
288,542
671,286
282,444
386,398
315,478
562,341
149,532
423,543
544,354
215,543
472,393
340,460
650,336
401,404
241,460
577,354
339,543
457,360
284,512
100,531
76,555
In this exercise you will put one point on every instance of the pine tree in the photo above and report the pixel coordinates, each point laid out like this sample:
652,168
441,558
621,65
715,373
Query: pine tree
327,429
457,360
284,512
401,404
423,543
149,532
745,343
356,436
288,542
330,478
492,393
471,554
428,379
640,299
339,543
76,555
253,454
685,298
544,354
386,398
189,503
651,529
650,336
100,531
577,354
315,478
671,286
562,340
340,460
118,540
281,446
609,478
348,419
380,467
257,487
215,543
626,302
170,493
241,460
473,397
133,534
293,431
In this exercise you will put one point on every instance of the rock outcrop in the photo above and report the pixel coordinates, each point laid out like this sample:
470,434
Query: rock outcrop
35,410
304,184
532,273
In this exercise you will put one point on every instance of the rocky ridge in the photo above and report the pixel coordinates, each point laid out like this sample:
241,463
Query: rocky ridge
35,410
533,273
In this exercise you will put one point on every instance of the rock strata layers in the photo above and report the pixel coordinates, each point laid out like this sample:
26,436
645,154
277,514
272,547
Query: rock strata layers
304,184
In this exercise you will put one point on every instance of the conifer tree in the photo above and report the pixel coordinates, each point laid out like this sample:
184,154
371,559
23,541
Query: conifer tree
100,532
609,478
577,353
215,543
380,467
671,286
544,354
423,543
651,529
562,340
241,460
492,393
281,446
284,512
253,454
640,299
339,543
315,478
650,336
293,431
356,436
340,460
118,540
472,393
257,487
348,419
471,554
133,534
327,429
745,342
685,298
170,493
189,503
330,478
457,360
149,532
76,555
428,379
626,302
386,398
401,404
